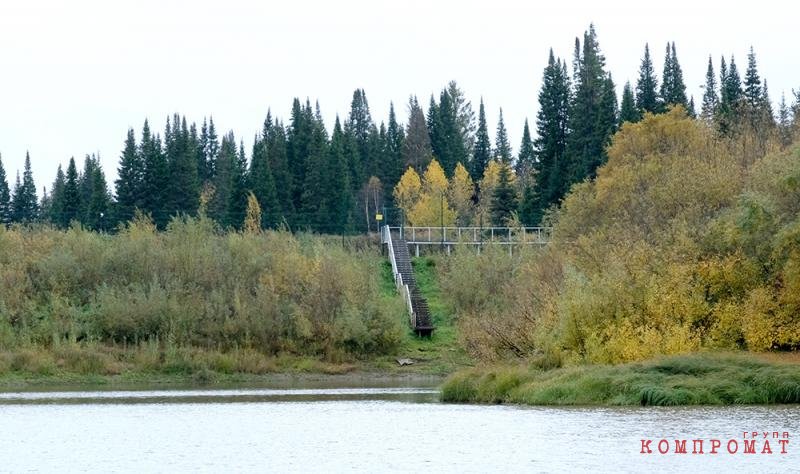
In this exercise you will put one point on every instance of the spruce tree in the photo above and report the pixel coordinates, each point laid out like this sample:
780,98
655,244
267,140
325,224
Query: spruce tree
710,98
338,199
86,186
395,138
183,189
483,146
502,147
504,197
691,110
97,209
784,122
417,150
262,184
297,143
731,93
553,175
627,109
359,125
526,159
592,113
5,197
211,151
647,99
465,124
237,205
129,181
155,177
313,211
56,213
752,82
673,88
72,203
439,127
225,163
281,173
24,203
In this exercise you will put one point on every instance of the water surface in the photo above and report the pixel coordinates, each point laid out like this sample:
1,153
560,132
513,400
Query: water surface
352,429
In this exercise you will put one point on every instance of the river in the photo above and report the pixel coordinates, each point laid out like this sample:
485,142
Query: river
365,429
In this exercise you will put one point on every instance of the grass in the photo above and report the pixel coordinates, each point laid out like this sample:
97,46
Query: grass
695,379
440,354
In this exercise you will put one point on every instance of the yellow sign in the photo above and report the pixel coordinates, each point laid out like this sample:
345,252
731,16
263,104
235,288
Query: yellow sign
378,217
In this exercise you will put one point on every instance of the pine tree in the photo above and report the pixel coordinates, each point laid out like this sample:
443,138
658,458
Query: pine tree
502,147
71,210
483,146
592,114
647,99
673,88
5,197
526,159
710,98
553,176
25,204
504,198
417,150
627,109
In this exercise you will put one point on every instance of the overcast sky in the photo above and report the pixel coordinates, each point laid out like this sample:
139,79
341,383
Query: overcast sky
76,74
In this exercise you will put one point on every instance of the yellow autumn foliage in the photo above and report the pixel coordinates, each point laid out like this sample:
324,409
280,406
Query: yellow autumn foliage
683,241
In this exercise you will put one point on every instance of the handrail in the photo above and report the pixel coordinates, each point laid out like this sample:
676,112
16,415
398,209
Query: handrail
398,277
473,235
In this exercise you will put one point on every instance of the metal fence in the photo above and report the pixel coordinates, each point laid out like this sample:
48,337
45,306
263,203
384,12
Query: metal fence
472,235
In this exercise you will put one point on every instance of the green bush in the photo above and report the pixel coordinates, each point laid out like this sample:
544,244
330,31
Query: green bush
193,286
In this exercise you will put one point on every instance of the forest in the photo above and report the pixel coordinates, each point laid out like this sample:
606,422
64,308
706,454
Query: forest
307,178
675,230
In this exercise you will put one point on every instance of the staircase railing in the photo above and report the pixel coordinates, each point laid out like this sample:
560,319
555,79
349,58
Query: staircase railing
405,292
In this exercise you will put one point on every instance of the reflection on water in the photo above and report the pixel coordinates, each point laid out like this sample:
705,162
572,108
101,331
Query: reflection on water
330,429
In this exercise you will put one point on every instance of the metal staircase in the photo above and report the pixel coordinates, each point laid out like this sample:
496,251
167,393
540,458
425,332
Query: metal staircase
403,272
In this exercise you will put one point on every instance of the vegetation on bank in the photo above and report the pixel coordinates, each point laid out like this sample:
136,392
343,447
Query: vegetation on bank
193,304
685,241
163,295
697,379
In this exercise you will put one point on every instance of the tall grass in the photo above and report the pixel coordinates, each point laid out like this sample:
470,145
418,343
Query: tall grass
698,379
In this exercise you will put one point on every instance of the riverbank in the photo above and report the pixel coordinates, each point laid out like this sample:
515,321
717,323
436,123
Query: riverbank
693,379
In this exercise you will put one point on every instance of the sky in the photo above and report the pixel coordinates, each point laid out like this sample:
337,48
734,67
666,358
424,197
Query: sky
74,76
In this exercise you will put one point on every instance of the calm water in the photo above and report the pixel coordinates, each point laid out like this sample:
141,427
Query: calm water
361,430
